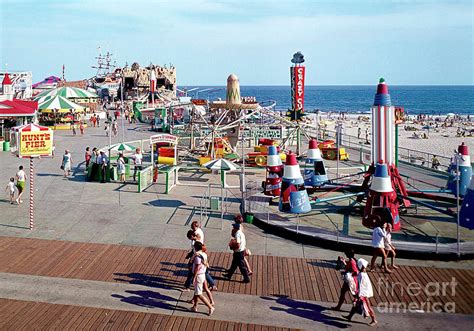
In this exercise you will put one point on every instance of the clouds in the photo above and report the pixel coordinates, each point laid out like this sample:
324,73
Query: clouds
344,43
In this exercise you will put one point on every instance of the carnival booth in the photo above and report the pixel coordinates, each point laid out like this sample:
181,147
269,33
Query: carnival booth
59,112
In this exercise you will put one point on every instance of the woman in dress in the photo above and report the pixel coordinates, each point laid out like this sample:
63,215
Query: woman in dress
121,168
66,164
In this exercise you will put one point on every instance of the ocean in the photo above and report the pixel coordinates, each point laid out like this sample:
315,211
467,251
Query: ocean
433,100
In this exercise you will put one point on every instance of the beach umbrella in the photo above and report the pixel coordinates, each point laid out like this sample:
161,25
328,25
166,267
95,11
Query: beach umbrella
122,147
62,104
220,164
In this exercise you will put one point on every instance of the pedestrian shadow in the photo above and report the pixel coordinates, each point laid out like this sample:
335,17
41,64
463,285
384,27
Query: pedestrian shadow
307,310
328,264
150,299
183,269
148,280
49,175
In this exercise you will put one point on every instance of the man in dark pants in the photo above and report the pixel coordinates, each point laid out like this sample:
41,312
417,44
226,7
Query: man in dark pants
238,245
103,161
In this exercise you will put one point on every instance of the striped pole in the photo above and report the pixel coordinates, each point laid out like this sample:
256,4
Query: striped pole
31,193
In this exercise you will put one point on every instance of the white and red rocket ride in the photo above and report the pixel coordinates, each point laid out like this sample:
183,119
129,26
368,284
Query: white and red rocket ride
383,198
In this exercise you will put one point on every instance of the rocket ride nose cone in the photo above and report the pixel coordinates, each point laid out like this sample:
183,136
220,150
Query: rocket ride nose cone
291,159
381,170
463,149
232,77
292,169
313,144
272,150
382,98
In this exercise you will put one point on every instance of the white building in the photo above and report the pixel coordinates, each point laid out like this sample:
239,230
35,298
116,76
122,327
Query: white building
22,82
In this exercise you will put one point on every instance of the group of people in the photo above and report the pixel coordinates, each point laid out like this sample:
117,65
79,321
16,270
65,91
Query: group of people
198,263
98,161
355,277
19,186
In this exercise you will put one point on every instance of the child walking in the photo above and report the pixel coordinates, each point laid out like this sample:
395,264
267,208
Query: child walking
11,189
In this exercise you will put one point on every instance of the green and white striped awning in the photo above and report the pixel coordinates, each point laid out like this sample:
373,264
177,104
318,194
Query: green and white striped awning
66,92
58,102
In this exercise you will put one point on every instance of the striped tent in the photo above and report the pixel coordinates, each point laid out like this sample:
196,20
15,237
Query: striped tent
66,92
60,103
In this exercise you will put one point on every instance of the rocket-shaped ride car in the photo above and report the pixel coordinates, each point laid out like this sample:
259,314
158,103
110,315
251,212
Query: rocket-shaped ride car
383,157
274,172
294,197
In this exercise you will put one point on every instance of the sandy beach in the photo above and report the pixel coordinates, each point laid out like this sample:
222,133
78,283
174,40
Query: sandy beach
440,140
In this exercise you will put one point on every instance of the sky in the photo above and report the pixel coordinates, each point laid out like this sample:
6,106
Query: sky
344,42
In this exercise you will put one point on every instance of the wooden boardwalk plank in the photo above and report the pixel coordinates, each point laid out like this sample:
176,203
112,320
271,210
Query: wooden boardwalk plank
300,279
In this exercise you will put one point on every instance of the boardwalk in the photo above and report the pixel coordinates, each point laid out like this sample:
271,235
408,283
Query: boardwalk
300,279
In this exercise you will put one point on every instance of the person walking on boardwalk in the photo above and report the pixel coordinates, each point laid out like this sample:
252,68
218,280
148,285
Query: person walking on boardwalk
66,163
240,220
87,156
238,245
199,270
20,183
137,161
121,168
365,292
349,276
11,189
378,244
389,248
81,128
73,128
198,235
103,161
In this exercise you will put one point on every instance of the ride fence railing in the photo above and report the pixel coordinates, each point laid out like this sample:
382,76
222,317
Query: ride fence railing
412,156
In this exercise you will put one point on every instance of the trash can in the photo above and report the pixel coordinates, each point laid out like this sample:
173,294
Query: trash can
6,146
249,218
113,173
215,203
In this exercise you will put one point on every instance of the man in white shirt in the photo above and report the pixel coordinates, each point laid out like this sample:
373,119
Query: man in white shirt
199,234
238,245
137,161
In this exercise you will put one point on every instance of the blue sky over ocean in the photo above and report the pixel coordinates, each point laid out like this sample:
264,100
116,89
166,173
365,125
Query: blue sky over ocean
344,42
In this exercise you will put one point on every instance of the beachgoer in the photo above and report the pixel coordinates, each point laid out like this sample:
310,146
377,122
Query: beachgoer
87,157
106,128
378,244
359,131
190,256
349,276
66,163
200,264
435,163
20,183
137,161
114,128
103,161
11,189
98,120
237,244
389,248
240,220
121,168
365,292
81,127
73,128
52,150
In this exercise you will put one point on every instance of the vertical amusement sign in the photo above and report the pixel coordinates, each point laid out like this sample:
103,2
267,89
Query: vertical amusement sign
297,89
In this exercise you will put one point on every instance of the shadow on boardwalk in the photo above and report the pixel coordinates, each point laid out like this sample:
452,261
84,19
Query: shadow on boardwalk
308,310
